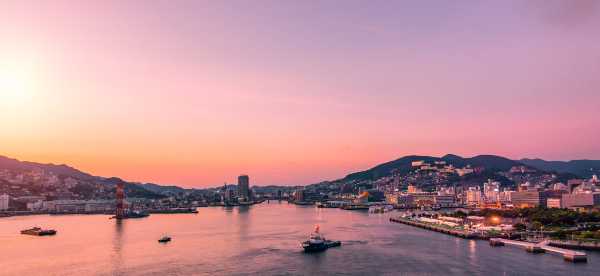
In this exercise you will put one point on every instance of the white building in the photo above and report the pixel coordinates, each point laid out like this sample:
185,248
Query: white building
473,195
491,190
4,200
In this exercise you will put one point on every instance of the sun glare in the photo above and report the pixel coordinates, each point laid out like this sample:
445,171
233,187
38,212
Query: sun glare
16,84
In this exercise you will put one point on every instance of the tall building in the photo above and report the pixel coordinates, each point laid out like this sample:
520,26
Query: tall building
491,191
473,195
244,187
4,199
299,195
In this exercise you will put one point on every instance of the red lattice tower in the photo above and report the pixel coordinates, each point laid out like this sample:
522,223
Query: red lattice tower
120,195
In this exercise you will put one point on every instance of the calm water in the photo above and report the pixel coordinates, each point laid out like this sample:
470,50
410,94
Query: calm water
259,240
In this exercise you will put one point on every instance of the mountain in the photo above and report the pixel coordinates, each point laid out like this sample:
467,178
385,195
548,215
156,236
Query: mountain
582,168
87,182
404,165
14,164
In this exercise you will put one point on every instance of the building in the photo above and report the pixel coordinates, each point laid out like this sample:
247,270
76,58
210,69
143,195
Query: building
491,191
412,189
528,199
244,187
582,201
554,203
4,200
299,196
473,195
444,200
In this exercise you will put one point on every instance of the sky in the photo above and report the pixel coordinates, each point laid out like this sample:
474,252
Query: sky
195,93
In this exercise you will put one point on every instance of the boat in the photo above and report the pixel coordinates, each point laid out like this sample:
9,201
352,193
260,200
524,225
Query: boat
354,207
164,239
37,231
317,242
133,214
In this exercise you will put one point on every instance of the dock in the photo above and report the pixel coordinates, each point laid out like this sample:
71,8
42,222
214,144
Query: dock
542,247
458,233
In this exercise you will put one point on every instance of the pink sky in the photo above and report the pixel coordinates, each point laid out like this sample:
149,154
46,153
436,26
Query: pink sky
294,92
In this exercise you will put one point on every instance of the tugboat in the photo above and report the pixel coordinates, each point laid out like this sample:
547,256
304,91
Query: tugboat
37,231
317,242
164,239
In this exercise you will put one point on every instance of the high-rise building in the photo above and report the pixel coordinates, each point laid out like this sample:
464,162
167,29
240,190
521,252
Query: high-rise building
473,195
4,200
244,187
491,191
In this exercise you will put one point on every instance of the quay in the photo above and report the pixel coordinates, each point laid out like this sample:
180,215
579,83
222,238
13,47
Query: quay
568,255
457,233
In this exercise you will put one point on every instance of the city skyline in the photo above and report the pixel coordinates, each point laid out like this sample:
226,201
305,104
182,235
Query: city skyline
196,93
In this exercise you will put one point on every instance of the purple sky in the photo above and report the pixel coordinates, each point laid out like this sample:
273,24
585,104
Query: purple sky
294,92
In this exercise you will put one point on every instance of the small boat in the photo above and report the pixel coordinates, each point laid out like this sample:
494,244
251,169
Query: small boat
37,231
165,239
317,242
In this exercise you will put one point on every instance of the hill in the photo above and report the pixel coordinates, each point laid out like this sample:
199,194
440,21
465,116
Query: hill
85,188
582,168
403,165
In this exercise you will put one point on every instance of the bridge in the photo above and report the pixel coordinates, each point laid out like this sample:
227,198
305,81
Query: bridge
568,255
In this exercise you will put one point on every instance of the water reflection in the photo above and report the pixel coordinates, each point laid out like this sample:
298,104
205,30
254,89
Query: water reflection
472,251
117,252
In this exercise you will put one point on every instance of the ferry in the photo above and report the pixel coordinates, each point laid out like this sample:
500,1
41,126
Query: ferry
317,242
37,231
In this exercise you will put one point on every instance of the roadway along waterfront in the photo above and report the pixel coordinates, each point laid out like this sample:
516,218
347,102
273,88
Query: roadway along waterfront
260,239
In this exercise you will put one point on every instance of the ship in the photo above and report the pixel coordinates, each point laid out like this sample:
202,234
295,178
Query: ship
356,207
317,242
164,239
37,231
133,214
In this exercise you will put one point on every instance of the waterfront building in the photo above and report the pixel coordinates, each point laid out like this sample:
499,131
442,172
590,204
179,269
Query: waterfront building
554,203
581,201
4,200
35,206
444,200
244,187
525,199
79,206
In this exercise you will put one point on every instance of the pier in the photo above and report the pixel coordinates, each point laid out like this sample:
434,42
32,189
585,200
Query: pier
542,247
458,233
